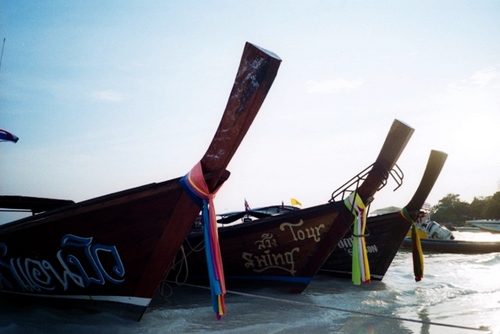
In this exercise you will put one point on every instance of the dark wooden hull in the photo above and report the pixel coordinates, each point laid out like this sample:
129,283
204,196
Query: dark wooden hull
276,250
454,246
117,248
98,250
386,233
289,249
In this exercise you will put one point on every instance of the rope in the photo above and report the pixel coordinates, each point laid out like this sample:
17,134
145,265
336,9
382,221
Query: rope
369,314
178,265
164,283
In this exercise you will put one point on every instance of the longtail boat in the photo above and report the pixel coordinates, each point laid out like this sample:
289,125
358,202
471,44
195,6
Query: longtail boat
454,246
489,225
112,252
386,232
286,250
436,238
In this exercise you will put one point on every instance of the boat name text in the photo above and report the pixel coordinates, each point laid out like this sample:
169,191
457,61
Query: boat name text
264,258
78,261
346,244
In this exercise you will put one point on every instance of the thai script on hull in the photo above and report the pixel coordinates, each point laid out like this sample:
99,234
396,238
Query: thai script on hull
346,244
79,262
265,256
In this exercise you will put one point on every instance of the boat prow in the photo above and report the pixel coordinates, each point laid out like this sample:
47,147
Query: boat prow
113,251
286,249
387,230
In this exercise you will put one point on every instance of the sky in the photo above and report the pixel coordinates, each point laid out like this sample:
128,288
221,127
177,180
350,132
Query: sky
109,95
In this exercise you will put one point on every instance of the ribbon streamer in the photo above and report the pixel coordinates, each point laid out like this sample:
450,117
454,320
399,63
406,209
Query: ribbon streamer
360,264
196,187
417,254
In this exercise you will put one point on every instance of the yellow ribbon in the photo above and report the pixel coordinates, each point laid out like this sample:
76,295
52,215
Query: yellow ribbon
360,264
417,253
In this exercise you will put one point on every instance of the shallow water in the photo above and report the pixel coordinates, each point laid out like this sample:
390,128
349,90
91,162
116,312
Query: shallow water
459,294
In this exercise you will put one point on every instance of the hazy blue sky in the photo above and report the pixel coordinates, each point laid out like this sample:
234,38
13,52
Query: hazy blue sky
108,95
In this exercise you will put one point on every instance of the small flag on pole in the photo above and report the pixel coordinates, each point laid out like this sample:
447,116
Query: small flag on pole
7,136
295,202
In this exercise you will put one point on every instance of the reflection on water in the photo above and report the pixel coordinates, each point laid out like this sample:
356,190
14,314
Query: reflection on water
424,316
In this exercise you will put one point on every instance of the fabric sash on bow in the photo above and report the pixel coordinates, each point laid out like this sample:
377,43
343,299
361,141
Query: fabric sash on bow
360,265
194,184
417,254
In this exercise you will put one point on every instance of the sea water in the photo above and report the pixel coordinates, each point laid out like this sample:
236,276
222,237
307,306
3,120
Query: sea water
459,294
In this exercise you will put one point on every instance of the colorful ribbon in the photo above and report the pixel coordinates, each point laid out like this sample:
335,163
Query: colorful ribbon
360,264
196,187
417,254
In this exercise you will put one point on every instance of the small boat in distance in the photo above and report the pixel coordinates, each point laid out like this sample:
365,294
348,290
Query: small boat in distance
285,249
430,229
454,246
112,252
486,224
435,238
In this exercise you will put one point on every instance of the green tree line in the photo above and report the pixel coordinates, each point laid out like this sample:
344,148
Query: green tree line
450,209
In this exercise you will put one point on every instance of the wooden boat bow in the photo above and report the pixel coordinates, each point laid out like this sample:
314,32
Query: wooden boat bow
434,166
256,73
115,249
394,144
386,231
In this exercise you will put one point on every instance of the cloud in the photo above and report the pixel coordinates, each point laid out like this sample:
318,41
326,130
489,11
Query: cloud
108,96
485,77
332,86
482,79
